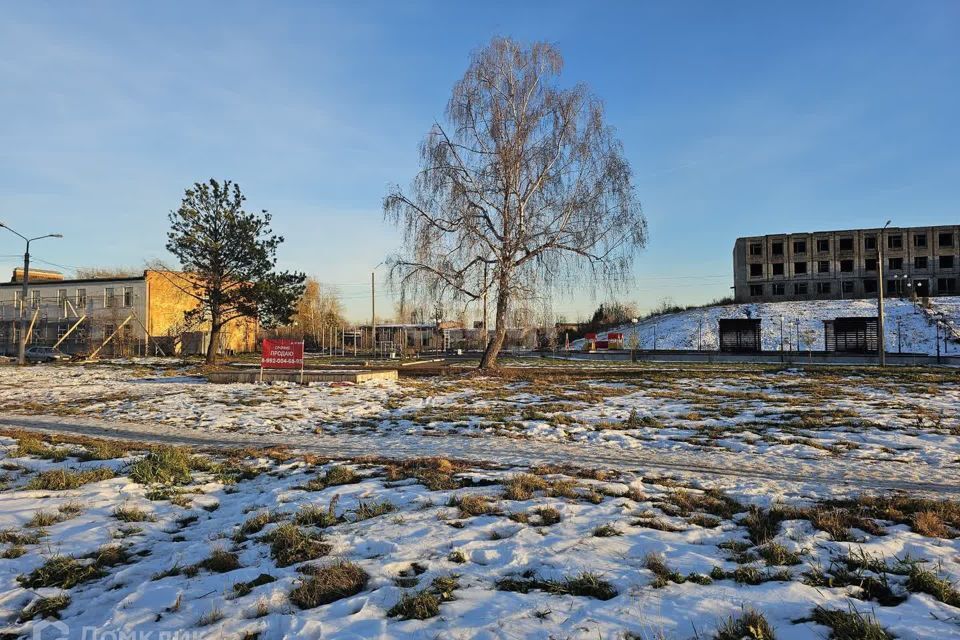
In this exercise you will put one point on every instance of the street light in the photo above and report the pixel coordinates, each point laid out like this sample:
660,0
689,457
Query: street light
881,346
21,357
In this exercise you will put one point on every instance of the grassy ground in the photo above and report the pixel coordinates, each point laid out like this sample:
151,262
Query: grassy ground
117,536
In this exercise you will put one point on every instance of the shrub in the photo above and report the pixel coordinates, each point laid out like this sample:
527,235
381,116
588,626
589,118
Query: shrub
63,479
329,584
166,465
290,544
749,625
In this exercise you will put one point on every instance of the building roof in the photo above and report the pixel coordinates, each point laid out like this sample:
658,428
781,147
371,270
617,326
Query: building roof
73,281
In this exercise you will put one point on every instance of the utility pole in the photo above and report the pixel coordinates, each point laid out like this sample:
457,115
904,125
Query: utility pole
21,355
373,311
881,346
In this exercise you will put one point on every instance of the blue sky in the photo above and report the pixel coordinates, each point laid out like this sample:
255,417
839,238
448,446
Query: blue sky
738,118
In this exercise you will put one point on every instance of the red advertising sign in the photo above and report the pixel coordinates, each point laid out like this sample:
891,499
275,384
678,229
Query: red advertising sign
282,354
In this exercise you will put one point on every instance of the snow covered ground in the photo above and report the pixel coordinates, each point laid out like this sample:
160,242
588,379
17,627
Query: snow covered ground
909,327
714,493
269,545
905,419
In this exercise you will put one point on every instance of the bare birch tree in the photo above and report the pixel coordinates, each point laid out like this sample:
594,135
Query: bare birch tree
525,188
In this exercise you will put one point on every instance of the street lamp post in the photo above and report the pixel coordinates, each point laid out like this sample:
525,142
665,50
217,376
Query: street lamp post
881,346
21,355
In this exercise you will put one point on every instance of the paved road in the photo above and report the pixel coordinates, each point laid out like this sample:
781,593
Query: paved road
797,474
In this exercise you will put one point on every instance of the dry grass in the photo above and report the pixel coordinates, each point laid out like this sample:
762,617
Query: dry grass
606,531
336,476
776,554
165,465
289,544
925,581
61,571
930,524
588,585
749,625
662,573
43,608
241,589
850,625
220,561
64,479
329,584
43,519
522,486
474,505
368,510
315,516
129,513
437,474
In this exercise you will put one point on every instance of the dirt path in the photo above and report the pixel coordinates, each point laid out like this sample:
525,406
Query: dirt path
808,473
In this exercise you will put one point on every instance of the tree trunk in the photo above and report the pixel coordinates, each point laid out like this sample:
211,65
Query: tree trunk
489,360
214,341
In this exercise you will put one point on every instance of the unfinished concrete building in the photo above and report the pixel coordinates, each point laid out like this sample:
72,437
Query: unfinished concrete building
823,265
143,313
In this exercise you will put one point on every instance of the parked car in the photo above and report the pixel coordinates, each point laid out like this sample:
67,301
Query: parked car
44,354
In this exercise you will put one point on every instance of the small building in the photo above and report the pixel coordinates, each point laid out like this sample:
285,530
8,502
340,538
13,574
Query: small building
851,335
740,335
